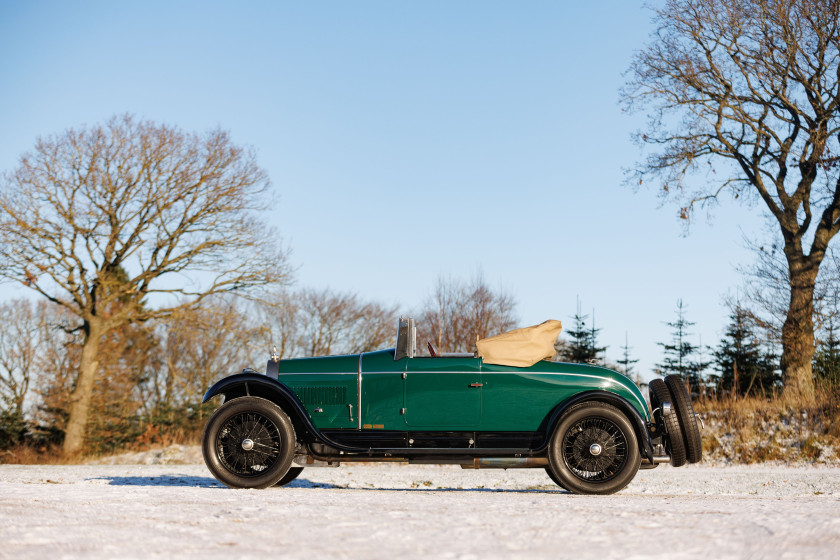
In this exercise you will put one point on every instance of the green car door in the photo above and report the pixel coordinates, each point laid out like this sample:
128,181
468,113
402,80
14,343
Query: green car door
443,393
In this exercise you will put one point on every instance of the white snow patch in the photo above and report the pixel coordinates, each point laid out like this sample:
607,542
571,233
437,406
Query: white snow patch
388,511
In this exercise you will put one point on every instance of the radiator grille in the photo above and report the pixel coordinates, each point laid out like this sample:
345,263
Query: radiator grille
321,394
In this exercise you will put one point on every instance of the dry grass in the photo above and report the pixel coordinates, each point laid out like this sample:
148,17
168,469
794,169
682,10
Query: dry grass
52,454
753,429
30,455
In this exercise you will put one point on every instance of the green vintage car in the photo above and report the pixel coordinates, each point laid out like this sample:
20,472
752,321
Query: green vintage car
589,427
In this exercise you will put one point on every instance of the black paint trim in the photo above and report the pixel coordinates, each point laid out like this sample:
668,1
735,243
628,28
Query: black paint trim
376,440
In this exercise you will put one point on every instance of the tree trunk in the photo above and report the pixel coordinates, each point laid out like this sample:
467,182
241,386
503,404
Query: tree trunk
736,384
74,437
798,332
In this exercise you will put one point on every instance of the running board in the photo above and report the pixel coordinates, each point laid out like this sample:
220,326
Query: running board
507,463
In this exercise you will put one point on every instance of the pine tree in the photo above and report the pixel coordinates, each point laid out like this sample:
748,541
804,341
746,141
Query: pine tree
626,363
577,350
744,366
583,347
827,357
680,354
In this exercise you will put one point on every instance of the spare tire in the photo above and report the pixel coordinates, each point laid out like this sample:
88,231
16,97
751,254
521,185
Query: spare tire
659,394
688,421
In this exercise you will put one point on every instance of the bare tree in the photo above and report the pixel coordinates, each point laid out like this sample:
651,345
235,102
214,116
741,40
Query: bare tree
127,354
311,322
19,327
279,315
438,319
766,290
98,219
150,376
59,353
334,323
457,314
749,91
198,346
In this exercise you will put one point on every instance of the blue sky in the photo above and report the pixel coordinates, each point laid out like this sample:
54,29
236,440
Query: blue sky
405,140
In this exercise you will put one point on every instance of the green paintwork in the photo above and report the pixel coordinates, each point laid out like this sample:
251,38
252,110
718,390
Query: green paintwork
329,384
436,393
524,396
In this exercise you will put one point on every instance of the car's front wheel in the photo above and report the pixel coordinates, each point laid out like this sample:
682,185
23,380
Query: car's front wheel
594,449
248,443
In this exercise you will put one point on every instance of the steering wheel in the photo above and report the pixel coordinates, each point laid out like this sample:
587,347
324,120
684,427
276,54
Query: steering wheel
432,352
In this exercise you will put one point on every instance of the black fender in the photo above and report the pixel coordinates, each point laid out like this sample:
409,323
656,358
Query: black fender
252,384
639,424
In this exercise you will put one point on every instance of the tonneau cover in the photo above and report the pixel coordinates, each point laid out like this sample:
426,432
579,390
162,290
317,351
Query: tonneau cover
521,347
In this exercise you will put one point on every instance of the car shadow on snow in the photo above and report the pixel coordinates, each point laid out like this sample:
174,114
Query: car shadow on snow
161,480
304,483
453,489
210,482
194,481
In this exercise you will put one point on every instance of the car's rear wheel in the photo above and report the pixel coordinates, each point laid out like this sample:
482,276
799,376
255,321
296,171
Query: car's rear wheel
554,478
292,474
594,449
248,443
659,394
687,419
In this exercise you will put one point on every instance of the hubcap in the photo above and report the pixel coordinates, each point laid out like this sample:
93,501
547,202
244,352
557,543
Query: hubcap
248,443
595,449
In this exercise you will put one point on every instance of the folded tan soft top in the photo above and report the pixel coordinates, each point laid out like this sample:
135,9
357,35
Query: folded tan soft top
521,347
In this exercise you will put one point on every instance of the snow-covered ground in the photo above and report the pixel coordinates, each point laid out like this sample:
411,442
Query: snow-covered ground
401,511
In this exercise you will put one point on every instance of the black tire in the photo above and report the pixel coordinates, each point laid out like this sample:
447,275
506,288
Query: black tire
675,443
554,478
248,443
290,475
688,421
572,456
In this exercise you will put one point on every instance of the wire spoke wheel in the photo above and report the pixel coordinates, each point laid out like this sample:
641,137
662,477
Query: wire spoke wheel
248,444
595,449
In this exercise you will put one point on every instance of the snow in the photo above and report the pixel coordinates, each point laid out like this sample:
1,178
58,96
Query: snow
386,511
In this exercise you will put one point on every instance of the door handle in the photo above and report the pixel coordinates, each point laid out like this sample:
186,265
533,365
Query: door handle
476,384
350,406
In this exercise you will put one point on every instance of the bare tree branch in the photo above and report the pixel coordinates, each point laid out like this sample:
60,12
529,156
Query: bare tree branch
459,313
755,86
97,219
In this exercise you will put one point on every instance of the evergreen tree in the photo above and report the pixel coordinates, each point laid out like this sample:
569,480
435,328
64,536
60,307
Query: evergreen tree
681,355
827,357
626,363
577,349
583,347
743,366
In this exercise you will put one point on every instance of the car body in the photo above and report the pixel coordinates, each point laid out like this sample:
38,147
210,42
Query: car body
588,426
